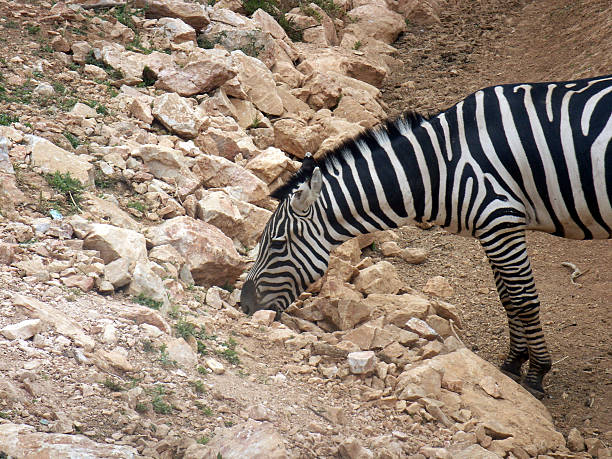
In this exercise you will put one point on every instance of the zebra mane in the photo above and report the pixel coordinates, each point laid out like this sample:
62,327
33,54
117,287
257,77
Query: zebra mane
407,120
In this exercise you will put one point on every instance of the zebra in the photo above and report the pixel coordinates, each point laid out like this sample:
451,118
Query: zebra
505,159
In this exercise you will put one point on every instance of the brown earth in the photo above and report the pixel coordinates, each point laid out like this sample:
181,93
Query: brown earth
482,43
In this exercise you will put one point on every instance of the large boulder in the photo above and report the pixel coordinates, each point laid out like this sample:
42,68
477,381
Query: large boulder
194,14
376,21
211,69
210,254
177,114
217,172
113,243
51,158
21,440
258,83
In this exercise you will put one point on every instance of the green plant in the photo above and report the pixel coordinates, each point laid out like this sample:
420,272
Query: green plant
206,410
203,440
6,119
112,385
198,386
46,49
58,87
33,29
160,406
184,329
164,357
255,123
139,206
147,301
357,45
229,353
72,139
148,346
141,407
202,370
272,7
70,187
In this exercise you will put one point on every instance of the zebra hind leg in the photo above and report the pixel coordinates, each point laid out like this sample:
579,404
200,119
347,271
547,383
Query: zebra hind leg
518,353
510,262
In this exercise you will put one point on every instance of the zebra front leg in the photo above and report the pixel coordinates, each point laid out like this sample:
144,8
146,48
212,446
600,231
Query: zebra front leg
510,262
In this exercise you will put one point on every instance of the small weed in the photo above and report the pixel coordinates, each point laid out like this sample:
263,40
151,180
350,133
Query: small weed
46,49
11,24
255,123
164,358
202,350
113,385
202,370
141,407
229,353
160,406
228,423
70,187
272,7
198,386
174,312
72,139
148,77
73,66
7,120
33,29
102,181
58,87
184,329
357,45
203,440
228,287
139,206
147,301
147,346
67,104
5,415
206,410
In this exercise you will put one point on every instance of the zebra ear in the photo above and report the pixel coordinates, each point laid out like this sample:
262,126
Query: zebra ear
308,192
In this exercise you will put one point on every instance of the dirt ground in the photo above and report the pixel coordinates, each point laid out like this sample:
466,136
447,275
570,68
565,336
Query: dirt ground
481,43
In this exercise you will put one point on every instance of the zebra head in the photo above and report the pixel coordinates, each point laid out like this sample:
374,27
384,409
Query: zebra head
292,252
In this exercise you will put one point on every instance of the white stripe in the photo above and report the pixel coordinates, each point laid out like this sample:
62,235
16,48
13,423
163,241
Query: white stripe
598,158
549,92
439,218
518,152
550,172
589,108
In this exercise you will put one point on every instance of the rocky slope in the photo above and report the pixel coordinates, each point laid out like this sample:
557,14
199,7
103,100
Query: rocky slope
138,147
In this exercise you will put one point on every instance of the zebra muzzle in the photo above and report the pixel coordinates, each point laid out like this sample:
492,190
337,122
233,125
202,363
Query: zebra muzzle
248,297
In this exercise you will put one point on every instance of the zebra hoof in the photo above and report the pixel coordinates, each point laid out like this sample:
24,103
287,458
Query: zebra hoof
537,392
515,377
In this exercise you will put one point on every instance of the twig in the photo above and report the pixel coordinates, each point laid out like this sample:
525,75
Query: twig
103,4
575,274
452,326
561,360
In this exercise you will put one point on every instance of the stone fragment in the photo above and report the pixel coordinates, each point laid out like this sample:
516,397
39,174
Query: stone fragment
194,14
51,158
176,114
59,321
83,110
296,137
177,30
114,243
431,349
575,441
490,386
474,452
115,358
361,362
421,328
376,21
438,286
209,254
146,282
21,440
258,83
145,315
210,71
352,449
379,278
22,330
413,256
272,164
181,352
141,110
252,439
264,317
117,272
84,283
80,51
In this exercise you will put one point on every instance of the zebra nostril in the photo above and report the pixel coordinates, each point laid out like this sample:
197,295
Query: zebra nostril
248,297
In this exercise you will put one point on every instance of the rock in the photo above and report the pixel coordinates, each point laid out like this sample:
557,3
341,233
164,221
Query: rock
258,83
271,165
20,440
7,253
116,358
51,158
177,30
499,415
176,114
117,272
194,14
353,73
258,412
22,330
252,439
490,386
379,278
216,172
473,452
209,254
447,311
352,449
440,325
413,256
169,165
94,72
237,219
418,11
362,362
421,328
44,89
438,286
431,349
375,21
80,51
362,336
145,315
595,447
263,317
181,352
141,110
399,308
132,64
114,243
296,137
575,441
51,316
108,211
85,283
212,69
145,281
83,110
